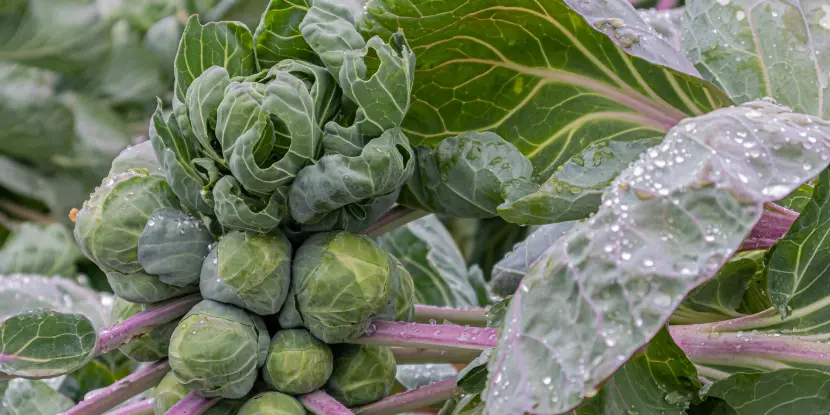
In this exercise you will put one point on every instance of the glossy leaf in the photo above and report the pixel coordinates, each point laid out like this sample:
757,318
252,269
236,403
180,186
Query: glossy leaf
798,199
763,49
32,397
785,391
668,23
719,298
428,252
28,292
40,250
473,378
617,277
278,35
173,246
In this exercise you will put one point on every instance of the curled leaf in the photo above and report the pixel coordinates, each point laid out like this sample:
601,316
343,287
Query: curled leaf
236,210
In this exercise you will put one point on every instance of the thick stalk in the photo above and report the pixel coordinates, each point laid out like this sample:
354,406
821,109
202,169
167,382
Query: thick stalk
411,400
192,404
774,223
397,216
144,407
409,356
6,376
122,333
120,391
431,314
320,403
428,336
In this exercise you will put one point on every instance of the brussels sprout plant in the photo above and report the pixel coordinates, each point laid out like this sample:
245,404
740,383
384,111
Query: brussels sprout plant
280,245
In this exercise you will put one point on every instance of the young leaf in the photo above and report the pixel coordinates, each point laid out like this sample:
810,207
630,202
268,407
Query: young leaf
32,397
550,77
278,35
798,199
40,250
756,49
720,297
27,292
473,378
785,391
616,278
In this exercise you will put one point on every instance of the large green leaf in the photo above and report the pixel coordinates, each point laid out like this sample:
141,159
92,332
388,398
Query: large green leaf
550,77
27,292
720,298
494,239
769,48
667,224
32,397
667,23
278,35
786,391
428,252
40,250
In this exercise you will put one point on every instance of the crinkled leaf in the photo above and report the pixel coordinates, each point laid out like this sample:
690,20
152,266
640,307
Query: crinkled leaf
32,397
616,278
43,343
508,273
574,191
278,35
550,77
720,297
37,249
20,292
798,199
236,210
173,246
329,29
465,176
473,378
225,44
785,391
428,252
756,49
202,99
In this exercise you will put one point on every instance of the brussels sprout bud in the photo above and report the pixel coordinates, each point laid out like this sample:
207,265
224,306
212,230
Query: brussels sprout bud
297,362
140,156
362,373
340,281
402,305
169,391
217,348
140,287
108,226
252,271
272,403
148,347
173,246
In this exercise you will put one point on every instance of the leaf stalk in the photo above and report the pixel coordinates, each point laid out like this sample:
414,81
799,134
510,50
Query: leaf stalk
411,400
428,336
320,403
431,314
120,391
192,404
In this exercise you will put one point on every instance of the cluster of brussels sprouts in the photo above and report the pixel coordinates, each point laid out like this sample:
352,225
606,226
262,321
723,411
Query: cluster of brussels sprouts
252,192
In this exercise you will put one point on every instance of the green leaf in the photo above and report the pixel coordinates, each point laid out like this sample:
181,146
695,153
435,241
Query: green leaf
756,298
415,376
719,298
202,99
496,313
32,397
668,23
28,292
236,210
44,343
798,199
494,239
465,176
785,391
44,250
784,60
162,39
550,77
225,44
278,35
659,379
508,273
173,246
574,191
140,156
473,378
428,252
616,278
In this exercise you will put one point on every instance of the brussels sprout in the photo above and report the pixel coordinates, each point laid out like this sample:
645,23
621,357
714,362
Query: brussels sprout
140,287
108,226
169,391
402,305
272,403
340,281
217,348
297,362
248,270
139,156
173,246
362,373
148,347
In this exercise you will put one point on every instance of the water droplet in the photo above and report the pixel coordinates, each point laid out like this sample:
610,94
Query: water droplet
740,15
546,380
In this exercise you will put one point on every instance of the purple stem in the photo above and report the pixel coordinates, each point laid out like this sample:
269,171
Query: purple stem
428,336
122,333
471,316
192,404
144,407
409,356
666,4
397,216
774,224
321,403
122,390
412,400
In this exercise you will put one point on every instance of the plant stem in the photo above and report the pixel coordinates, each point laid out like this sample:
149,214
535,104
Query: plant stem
6,376
26,213
321,403
397,216
122,390
144,407
122,333
471,316
774,224
412,400
409,356
428,336
666,4
192,404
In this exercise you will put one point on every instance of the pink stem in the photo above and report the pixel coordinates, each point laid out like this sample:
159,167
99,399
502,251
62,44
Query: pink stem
409,356
428,336
395,217
192,404
471,316
774,224
122,333
122,390
666,4
412,400
144,407
321,403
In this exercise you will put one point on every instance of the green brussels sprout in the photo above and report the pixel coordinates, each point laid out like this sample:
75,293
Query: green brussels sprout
340,281
252,271
297,362
402,305
362,373
217,349
173,246
272,403
169,391
139,156
148,347
140,287
108,226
